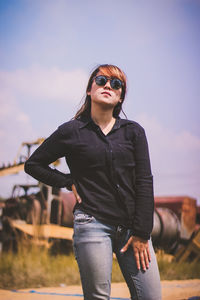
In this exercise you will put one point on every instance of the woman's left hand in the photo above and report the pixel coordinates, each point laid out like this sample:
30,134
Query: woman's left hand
140,250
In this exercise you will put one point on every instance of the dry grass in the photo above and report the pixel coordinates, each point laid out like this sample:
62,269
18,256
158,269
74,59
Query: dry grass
34,266
172,270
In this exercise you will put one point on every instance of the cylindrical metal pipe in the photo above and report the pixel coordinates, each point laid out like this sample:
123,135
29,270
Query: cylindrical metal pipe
166,230
156,226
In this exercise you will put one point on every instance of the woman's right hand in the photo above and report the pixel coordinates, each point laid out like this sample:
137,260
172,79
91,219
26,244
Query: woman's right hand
140,250
78,198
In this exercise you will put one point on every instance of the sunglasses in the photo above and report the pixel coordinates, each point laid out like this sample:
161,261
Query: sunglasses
115,83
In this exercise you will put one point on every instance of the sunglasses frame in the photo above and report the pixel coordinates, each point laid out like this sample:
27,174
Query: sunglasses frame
111,79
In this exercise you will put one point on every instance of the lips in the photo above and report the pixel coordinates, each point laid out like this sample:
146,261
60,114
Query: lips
106,93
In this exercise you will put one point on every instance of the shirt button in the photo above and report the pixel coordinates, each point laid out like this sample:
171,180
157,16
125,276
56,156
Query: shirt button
117,185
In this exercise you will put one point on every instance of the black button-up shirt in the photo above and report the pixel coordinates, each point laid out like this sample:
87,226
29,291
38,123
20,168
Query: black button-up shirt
112,172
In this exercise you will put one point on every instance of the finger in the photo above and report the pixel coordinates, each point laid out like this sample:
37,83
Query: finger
73,189
142,260
78,199
146,258
125,248
137,259
148,254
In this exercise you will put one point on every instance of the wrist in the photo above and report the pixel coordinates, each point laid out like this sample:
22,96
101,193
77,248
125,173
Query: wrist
138,238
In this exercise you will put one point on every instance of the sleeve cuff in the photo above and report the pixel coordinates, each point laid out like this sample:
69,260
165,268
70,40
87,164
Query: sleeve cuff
141,234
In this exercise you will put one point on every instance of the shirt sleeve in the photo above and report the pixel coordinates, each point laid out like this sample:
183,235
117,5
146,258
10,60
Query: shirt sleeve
53,148
144,207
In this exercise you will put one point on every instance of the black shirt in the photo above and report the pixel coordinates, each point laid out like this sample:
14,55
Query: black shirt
112,172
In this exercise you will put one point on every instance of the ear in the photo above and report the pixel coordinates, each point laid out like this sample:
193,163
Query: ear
88,93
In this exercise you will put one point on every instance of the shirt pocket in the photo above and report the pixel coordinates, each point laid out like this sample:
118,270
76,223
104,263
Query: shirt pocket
124,154
88,157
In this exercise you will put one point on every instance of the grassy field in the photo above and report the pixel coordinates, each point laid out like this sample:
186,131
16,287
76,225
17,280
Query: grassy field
34,266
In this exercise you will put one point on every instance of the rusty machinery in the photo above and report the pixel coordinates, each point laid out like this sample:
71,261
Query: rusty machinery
177,226
28,210
50,210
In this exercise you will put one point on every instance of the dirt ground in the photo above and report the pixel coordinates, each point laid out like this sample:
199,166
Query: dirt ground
171,290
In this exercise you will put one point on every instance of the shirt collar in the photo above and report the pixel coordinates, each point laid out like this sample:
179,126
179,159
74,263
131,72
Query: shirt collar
84,121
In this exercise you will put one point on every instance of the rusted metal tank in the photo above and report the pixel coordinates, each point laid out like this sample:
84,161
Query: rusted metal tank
186,210
166,230
175,222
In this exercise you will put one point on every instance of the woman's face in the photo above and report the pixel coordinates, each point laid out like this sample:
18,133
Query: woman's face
104,95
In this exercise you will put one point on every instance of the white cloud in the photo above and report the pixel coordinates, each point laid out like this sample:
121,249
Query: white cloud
187,141
15,126
43,84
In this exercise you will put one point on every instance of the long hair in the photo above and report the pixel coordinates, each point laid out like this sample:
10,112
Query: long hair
110,71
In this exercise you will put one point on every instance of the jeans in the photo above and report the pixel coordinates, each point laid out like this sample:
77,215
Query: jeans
94,244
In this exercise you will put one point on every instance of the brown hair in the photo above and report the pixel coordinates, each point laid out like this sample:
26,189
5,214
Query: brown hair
107,70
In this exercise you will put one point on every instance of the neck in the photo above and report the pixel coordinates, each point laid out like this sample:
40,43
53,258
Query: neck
103,118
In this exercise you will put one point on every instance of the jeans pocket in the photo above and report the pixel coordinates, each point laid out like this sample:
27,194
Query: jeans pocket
81,218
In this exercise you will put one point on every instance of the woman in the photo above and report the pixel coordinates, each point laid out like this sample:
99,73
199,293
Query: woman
110,175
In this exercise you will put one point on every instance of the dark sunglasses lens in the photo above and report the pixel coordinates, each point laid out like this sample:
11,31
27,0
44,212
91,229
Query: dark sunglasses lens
101,80
116,83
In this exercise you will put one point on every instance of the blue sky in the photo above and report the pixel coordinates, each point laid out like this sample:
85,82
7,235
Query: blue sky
48,49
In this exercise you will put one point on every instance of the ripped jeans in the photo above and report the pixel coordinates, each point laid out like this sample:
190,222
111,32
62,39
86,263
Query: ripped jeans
94,244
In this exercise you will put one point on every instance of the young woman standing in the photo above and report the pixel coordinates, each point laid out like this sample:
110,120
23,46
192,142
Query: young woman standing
111,178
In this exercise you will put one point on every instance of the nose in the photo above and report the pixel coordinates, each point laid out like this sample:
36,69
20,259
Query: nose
107,85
